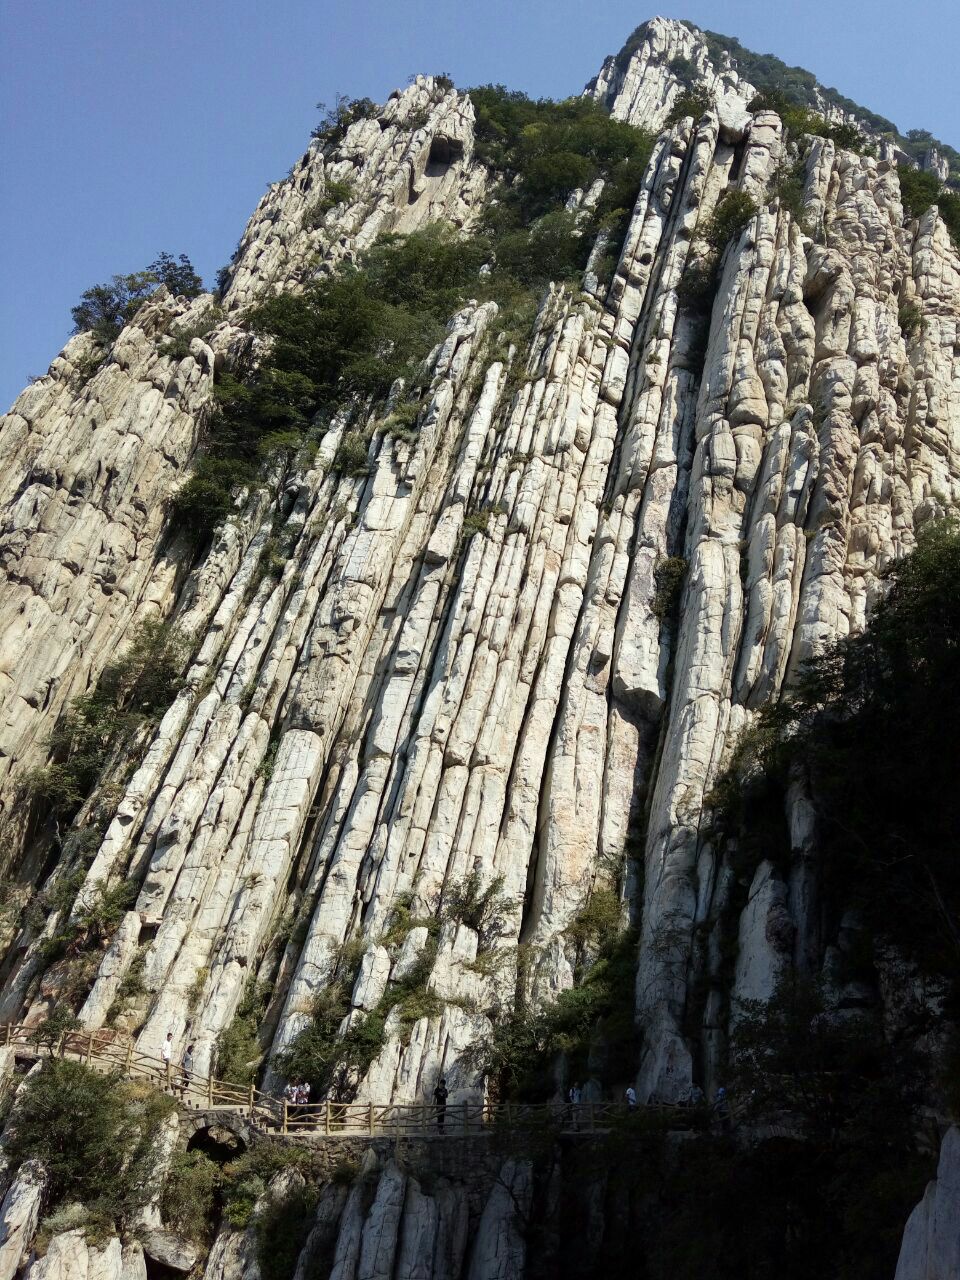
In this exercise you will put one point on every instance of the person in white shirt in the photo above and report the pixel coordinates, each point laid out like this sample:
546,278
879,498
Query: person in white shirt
166,1052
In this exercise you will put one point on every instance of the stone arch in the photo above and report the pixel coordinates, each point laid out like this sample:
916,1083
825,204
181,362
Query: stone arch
221,1135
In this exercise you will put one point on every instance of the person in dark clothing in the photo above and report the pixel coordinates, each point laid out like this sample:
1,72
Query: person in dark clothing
721,1110
186,1070
440,1095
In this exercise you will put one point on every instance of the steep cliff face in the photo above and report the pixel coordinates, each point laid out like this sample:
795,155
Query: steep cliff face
461,670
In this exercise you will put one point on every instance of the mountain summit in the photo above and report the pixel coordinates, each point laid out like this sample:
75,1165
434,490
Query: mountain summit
478,701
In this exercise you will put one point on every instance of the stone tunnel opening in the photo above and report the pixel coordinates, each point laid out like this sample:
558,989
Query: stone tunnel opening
217,1142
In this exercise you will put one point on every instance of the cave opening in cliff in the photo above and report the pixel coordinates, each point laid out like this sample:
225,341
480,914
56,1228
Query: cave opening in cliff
443,152
156,1270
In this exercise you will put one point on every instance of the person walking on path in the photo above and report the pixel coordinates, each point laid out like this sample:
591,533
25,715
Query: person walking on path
721,1110
440,1095
575,1097
631,1098
186,1070
166,1055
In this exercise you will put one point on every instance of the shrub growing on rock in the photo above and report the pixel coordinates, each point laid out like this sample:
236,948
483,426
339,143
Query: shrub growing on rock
189,1194
94,1134
139,686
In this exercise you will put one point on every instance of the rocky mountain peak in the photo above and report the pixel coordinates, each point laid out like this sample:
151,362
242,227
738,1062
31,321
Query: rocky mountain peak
398,650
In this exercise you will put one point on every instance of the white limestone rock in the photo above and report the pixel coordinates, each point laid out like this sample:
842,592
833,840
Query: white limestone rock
19,1214
931,1238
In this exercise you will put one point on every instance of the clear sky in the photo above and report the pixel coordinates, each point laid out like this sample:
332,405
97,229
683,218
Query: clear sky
134,126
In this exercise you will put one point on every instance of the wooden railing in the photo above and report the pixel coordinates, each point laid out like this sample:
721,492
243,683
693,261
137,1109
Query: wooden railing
105,1051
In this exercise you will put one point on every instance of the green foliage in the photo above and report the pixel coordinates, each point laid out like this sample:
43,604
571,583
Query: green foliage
238,1046
481,906
910,318
189,1194
683,69
94,923
543,151
698,284
550,249
55,1025
668,577
733,211
872,722
336,192
86,366
207,498
552,147
696,103
596,921
517,1058
333,1053
335,120
177,274
101,911
799,120
772,76
94,1133
245,1179
402,921
351,335
321,1055
347,335
919,142
137,687
919,190
106,308
283,1224
473,523
351,456
177,345
787,186
401,421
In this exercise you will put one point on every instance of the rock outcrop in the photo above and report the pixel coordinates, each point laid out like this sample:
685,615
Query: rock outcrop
931,1240
462,665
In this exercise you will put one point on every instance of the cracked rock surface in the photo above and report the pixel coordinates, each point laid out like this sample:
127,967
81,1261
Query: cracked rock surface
419,694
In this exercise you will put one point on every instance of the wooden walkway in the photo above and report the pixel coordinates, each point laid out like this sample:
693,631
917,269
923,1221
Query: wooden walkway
105,1051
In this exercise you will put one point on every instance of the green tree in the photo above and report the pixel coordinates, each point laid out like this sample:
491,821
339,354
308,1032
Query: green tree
105,308
872,723
94,1134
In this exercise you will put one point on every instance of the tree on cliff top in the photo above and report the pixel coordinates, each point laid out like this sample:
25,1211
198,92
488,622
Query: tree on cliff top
106,308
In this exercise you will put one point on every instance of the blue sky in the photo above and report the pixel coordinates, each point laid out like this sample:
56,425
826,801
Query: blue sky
134,126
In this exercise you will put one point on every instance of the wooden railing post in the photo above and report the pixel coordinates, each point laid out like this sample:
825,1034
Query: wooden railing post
9,1032
129,1062
326,1118
283,1122
209,1091
371,1117
252,1095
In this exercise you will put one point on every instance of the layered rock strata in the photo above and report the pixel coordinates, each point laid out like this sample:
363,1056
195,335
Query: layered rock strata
461,665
